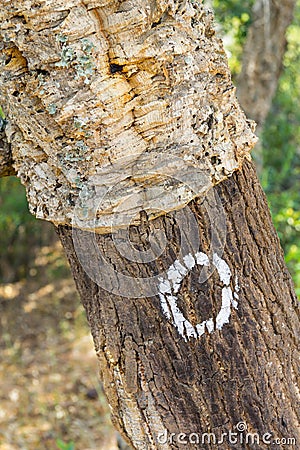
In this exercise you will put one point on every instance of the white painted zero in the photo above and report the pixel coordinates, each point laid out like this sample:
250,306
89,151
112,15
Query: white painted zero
169,287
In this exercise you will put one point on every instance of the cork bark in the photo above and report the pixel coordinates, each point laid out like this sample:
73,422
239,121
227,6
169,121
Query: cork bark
159,381
6,162
94,89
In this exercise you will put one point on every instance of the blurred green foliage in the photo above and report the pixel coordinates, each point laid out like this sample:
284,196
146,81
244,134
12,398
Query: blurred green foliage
234,18
65,446
20,233
15,223
281,143
281,134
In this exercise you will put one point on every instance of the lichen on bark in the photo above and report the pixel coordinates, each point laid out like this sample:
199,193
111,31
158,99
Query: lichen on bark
92,87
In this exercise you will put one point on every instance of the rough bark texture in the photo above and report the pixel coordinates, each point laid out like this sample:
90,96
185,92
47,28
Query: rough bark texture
263,57
159,378
6,163
85,83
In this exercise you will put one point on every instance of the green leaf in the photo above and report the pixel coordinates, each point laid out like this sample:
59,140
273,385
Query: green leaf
65,445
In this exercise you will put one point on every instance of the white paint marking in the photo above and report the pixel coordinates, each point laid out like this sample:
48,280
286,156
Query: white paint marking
176,274
202,259
201,328
173,274
178,317
164,306
164,286
234,302
170,286
181,269
224,313
223,269
181,323
210,325
190,330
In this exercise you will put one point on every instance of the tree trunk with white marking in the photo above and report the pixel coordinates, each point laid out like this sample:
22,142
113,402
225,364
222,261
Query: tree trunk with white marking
158,380
124,127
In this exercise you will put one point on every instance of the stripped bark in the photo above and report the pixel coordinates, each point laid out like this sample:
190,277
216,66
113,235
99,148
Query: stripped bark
159,383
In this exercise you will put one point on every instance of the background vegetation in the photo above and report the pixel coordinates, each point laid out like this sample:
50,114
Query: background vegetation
280,137
50,396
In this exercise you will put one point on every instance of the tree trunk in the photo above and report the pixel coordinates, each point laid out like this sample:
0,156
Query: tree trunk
161,379
118,114
263,57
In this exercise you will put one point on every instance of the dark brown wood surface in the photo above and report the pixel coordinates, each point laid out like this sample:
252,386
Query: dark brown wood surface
154,379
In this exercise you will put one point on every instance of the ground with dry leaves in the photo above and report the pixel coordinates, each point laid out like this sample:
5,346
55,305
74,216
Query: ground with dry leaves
49,386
